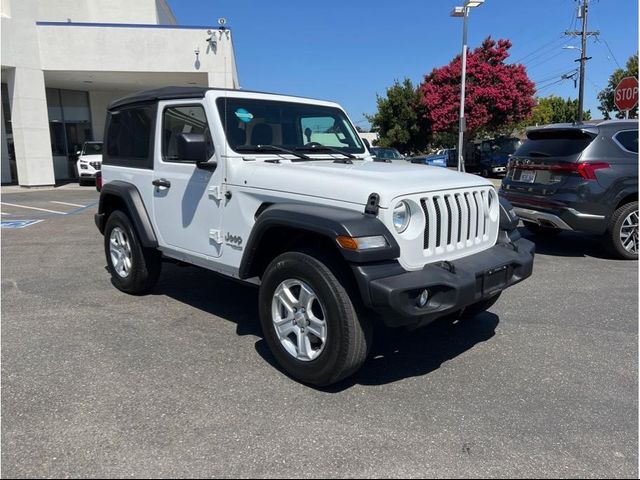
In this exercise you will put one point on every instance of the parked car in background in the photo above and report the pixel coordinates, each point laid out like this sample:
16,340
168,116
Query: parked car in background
490,157
445,157
579,177
432,160
385,154
89,162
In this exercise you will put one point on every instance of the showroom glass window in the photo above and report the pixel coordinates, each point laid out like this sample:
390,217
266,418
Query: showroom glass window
69,120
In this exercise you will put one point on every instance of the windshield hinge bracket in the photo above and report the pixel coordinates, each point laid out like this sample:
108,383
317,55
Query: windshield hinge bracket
372,204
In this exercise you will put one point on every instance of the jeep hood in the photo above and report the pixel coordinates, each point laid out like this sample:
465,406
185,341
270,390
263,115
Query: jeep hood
354,182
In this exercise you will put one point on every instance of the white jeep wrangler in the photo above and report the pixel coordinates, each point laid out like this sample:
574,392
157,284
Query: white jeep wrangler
280,191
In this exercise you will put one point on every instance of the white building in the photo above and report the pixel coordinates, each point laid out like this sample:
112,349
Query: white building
63,61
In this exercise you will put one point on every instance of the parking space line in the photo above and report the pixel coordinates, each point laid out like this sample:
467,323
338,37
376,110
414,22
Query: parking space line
33,208
67,203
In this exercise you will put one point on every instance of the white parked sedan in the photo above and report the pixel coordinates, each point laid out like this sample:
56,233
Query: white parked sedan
89,162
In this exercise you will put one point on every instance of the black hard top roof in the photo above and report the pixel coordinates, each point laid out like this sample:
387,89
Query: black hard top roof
165,93
175,93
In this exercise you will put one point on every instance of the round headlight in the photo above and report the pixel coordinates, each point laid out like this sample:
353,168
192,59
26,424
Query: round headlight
401,216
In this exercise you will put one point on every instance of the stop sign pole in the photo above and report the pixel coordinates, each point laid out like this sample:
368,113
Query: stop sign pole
625,96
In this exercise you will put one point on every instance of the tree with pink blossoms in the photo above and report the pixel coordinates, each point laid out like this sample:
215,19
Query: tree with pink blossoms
498,95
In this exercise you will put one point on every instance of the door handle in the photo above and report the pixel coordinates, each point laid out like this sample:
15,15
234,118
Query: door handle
161,183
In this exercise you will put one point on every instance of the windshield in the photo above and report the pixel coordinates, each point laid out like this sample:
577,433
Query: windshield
251,122
386,153
92,148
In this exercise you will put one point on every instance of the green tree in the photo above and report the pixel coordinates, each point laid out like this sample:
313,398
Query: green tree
607,104
554,109
398,120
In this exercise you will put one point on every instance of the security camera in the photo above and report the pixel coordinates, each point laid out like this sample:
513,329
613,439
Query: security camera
222,21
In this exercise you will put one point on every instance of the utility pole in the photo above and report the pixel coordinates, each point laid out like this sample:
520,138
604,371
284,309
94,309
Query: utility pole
584,12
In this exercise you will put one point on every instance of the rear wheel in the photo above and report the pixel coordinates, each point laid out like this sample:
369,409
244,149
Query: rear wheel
309,320
133,269
541,231
621,238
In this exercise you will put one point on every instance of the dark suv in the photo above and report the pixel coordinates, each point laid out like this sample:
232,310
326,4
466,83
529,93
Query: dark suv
579,177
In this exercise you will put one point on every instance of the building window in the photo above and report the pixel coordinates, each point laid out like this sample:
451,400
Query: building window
8,132
69,126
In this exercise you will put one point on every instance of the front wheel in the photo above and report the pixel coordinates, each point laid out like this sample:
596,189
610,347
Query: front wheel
309,320
621,237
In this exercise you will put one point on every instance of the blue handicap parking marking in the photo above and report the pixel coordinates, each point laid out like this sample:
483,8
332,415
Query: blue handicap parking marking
18,223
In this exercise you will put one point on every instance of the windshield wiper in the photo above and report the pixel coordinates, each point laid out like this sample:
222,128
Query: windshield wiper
315,147
269,148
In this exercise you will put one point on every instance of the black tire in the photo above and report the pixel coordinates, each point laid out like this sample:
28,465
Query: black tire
82,183
480,307
348,336
541,231
146,263
612,239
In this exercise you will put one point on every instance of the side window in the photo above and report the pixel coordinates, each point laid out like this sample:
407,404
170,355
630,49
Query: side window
628,140
129,136
183,119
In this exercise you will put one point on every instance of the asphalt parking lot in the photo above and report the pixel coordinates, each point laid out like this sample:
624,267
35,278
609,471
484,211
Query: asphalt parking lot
180,383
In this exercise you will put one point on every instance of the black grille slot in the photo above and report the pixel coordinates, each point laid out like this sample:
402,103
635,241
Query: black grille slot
449,220
423,202
466,200
475,199
438,220
457,197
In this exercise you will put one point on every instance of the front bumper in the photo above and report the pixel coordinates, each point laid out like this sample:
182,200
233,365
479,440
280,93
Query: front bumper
393,292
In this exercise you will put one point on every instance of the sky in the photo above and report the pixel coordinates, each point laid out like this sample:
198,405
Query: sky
349,51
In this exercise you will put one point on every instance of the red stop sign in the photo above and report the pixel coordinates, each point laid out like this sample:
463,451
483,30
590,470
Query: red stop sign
626,93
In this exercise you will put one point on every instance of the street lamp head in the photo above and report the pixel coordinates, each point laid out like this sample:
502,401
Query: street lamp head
473,3
571,47
457,12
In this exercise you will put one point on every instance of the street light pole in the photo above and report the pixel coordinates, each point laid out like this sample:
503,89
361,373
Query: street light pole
464,13
462,126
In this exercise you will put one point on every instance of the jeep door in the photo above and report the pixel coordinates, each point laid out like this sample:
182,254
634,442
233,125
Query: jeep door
187,199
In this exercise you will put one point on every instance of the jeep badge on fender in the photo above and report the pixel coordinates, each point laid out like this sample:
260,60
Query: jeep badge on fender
436,243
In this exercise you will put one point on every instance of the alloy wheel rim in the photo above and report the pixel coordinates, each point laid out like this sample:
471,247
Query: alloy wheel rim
120,251
629,233
299,320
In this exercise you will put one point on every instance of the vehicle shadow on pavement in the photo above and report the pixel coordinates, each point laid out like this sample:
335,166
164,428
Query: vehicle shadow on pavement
398,354
395,355
568,244
213,294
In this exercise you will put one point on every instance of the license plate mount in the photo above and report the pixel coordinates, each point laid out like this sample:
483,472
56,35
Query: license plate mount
527,176
494,279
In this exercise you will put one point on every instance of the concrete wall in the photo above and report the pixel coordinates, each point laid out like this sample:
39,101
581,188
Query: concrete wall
105,11
25,81
120,49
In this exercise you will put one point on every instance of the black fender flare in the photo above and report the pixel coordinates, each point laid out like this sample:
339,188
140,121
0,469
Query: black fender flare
130,196
330,222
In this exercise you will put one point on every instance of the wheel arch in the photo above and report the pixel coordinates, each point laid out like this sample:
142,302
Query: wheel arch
282,227
120,195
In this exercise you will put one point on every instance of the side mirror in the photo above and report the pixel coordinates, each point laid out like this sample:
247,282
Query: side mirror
193,147
79,152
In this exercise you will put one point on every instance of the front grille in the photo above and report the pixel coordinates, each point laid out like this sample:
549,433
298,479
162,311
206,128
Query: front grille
456,220
96,165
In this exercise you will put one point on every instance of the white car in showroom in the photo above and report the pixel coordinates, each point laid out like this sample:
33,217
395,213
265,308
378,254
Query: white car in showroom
89,162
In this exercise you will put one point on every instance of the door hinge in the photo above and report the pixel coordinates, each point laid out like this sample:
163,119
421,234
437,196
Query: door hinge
215,235
215,192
